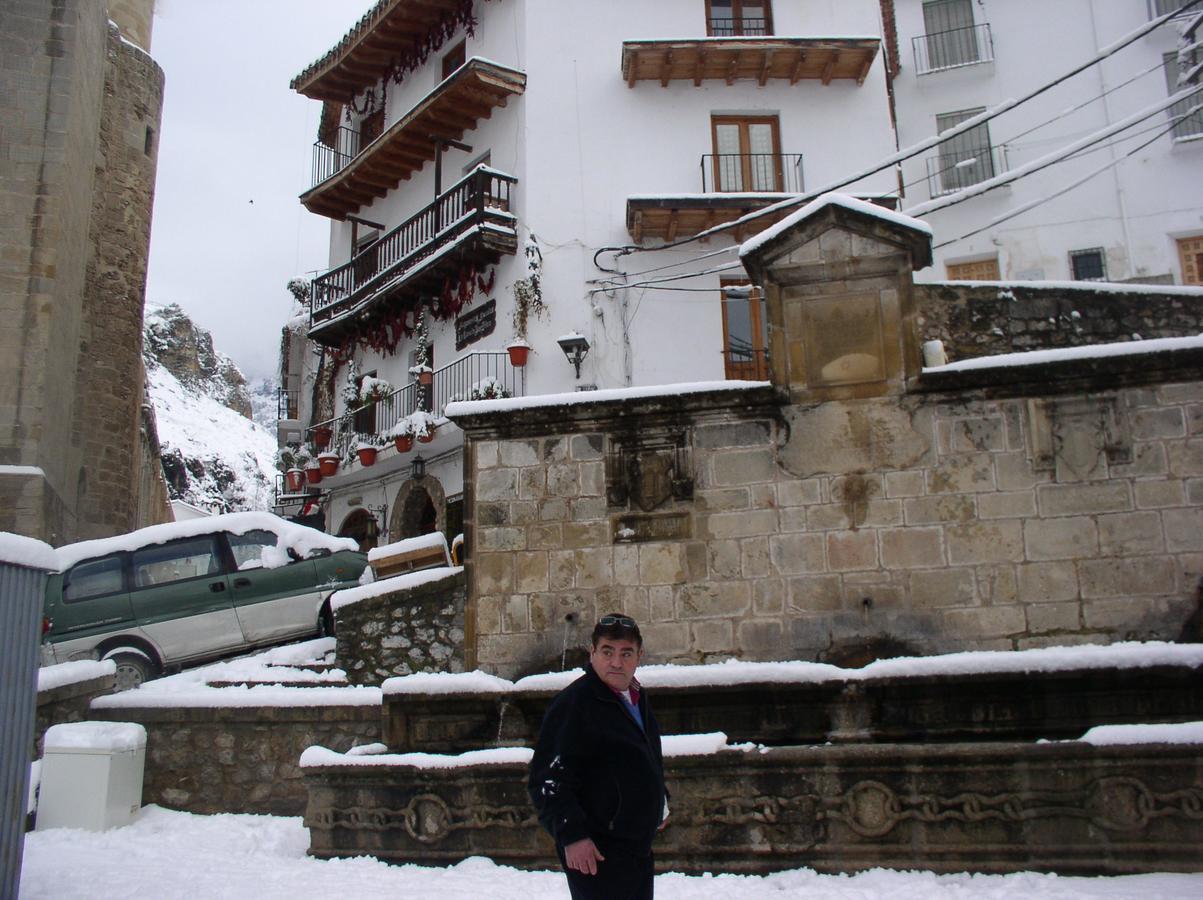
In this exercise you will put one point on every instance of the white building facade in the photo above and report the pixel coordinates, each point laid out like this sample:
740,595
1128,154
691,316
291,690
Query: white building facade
587,144
1138,220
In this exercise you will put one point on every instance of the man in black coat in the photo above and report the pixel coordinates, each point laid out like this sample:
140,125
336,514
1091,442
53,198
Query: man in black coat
597,776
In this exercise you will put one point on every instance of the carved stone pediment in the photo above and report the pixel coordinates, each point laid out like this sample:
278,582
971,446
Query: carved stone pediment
644,471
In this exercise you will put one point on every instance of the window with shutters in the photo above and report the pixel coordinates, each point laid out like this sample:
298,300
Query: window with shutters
964,159
737,18
951,38
745,357
747,154
1190,254
1187,115
977,270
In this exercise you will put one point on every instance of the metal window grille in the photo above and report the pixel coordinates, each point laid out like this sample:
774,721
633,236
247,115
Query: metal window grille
1088,265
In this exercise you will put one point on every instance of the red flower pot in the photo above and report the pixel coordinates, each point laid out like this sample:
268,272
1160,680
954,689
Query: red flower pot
295,480
314,474
427,437
404,443
518,354
425,377
321,437
367,456
328,465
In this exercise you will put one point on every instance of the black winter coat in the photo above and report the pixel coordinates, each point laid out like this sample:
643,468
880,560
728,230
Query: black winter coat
595,773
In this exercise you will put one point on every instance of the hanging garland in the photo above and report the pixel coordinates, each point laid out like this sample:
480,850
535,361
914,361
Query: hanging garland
385,332
416,55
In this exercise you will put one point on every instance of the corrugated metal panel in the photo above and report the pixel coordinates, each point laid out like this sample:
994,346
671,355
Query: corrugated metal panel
21,593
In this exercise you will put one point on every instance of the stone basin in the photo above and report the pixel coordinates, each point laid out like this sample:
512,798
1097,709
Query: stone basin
1069,807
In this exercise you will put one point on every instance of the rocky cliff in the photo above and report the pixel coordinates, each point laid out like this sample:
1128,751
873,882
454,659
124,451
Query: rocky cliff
214,455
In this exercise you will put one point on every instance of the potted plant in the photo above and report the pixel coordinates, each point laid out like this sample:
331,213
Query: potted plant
423,425
328,463
403,436
321,436
294,480
528,301
313,472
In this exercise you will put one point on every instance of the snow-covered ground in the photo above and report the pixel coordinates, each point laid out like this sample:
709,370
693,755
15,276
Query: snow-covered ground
173,854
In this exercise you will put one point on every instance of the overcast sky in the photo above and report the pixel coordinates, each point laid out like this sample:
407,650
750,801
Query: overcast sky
234,155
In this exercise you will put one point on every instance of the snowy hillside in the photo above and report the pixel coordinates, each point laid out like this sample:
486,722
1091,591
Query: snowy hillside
264,399
212,454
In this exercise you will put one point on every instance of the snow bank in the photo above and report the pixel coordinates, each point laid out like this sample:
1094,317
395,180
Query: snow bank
448,683
51,677
18,550
346,597
474,407
95,736
1112,735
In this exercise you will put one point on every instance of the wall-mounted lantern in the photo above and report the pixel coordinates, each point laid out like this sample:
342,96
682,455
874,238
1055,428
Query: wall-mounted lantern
576,348
418,468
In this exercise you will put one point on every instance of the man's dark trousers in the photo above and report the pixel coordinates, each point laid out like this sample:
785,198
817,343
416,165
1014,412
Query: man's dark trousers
617,878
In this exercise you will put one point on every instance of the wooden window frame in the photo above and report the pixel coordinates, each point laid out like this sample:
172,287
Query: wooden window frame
965,264
745,144
755,369
737,17
1190,258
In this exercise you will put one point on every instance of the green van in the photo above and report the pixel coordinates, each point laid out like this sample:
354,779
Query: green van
187,592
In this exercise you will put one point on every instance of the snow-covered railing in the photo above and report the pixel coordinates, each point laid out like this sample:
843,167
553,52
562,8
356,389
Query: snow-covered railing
479,198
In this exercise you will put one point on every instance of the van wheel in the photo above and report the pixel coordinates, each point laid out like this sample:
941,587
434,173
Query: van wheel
132,670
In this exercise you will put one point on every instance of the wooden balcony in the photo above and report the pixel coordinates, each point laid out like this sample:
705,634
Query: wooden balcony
469,223
369,49
350,180
758,59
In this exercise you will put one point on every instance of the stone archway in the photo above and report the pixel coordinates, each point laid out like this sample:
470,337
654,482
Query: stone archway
361,526
420,507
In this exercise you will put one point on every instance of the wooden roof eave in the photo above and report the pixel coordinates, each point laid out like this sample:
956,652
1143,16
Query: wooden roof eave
369,44
407,144
752,58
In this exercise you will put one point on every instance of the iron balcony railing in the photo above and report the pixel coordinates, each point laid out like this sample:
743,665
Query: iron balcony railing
954,170
330,159
472,372
752,172
744,26
953,49
479,198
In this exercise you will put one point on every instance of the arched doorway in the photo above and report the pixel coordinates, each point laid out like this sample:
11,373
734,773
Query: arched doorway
361,525
420,507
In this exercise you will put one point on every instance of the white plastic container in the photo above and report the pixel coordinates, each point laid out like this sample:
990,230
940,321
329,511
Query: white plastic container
91,775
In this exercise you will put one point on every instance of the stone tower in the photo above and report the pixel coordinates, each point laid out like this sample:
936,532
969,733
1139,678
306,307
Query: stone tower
78,455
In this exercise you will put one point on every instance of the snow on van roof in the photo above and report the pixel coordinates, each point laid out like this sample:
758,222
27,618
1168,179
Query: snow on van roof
300,538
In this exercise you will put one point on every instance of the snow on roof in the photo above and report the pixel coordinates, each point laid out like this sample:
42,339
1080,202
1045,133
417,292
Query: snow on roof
292,536
18,550
421,542
320,756
1094,351
473,407
831,199
95,736
63,674
1178,733
346,597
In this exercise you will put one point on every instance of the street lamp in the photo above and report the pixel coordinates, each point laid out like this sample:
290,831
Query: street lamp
418,468
576,348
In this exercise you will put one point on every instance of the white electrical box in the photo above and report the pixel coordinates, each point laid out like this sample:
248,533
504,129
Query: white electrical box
91,775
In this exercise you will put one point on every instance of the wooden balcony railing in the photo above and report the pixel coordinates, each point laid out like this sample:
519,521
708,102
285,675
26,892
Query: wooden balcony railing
454,381
478,203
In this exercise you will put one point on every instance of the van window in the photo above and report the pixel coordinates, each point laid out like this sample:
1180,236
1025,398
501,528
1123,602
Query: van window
249,549
177,561
93,578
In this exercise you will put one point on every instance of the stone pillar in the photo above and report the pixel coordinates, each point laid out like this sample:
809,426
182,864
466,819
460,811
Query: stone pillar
839,299
135,19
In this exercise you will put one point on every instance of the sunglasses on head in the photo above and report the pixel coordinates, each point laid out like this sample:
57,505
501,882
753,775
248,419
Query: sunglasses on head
621,621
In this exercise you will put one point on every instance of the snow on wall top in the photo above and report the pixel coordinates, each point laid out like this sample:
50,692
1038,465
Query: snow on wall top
291,536
1094,351
346,597
474,407
51,677
1178,733
757,241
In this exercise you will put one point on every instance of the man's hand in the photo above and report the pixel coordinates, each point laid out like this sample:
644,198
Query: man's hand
583,856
